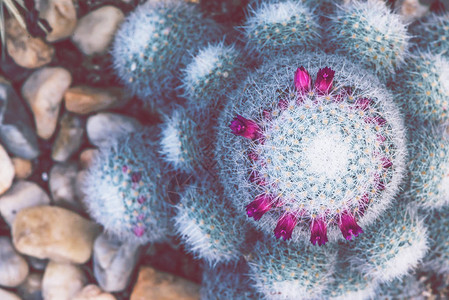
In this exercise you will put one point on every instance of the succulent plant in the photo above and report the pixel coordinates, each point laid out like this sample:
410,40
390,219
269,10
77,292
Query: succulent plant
407,287
370,33
126,189
304,164
432,33
154,43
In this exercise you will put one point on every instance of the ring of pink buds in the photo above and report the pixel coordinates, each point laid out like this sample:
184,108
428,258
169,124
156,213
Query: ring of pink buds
320,159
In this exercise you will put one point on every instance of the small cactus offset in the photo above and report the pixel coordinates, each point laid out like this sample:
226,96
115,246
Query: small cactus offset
229,281
394,245
210,228
291,270
277,26
212,74
429,178
432,33
152,46
126,190
423,88
367,31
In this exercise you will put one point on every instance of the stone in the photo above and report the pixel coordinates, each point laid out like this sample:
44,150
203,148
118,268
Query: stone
22,167
36,263
95,31
69,138
60,15
62,281
21,195
93,292
411,10
87,158
13,267
55,233
17,132
156,285
79,192
31,288
104,127
26,51
43,91
114,262
6,171
62,184
7,295
85,99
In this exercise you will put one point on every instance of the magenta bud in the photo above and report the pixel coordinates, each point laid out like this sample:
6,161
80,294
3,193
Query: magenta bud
318,232
244,127
303,82
285,226
259,206
348,226
324,80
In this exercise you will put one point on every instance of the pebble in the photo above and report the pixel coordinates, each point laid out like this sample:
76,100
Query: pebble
43,91
60,15
87,157
6,171
114,262
62,184
93,292
17,132
156,285
7,295
69,137
22,167
21,195
62,281
13,267
55,233
26,51
31,288
85,99
95,31
104,127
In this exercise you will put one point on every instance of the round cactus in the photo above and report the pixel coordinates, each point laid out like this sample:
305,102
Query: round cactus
185,142
438,257
304,158
367,31
213,73
396,244
126,190
429,169
286,270
209,227
423,89
407,287
281,26
228,282
348,283
432,33
152,46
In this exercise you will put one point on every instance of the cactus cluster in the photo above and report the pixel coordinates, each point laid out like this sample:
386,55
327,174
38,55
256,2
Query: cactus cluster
313,172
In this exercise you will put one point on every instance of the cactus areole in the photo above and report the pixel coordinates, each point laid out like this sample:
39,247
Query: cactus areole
319,159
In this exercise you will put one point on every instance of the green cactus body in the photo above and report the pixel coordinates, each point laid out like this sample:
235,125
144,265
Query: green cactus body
432,33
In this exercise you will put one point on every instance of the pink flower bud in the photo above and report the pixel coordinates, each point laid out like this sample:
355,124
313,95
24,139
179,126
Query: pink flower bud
318,232
285,226
348,226
259,206
244,127
324,80
303,82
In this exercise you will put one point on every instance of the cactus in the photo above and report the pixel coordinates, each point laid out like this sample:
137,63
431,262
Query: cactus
396,244
211,230
277,26
290,270
126,189
407,287
432,33
367,31
178,149
315,157
438,257
228,282
152,46
423,89
211,75
429,168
